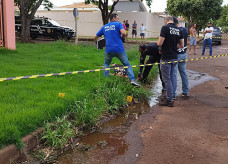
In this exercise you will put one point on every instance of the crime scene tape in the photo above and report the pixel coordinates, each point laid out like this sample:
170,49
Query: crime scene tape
212,37
98,70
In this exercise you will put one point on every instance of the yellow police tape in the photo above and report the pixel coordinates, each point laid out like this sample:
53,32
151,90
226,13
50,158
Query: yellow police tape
97,70
212,37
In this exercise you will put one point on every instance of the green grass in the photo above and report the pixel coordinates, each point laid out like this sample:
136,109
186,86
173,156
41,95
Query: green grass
25,105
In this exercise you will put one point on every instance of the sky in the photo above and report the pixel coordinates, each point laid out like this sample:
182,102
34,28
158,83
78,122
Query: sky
157,5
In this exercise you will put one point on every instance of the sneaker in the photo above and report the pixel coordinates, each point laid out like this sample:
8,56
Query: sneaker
134,83
166,103
195,53
184,96
202,54
210,55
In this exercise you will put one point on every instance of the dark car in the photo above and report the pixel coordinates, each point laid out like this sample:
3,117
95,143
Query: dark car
216,35
47,28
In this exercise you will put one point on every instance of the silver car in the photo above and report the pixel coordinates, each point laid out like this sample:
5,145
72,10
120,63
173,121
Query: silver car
216,35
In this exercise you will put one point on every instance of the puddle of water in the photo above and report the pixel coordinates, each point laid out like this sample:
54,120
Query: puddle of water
107,142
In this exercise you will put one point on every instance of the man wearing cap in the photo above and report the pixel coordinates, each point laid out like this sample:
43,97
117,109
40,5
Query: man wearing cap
208,38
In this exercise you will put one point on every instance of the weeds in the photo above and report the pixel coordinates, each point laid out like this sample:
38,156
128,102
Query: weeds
58,134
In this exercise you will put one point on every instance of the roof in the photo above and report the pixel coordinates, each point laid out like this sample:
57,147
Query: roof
80,5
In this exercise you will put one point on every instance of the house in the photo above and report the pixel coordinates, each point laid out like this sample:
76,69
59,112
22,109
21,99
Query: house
7,24
130,6
90,19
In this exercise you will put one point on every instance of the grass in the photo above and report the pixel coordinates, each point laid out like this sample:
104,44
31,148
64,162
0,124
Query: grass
26,105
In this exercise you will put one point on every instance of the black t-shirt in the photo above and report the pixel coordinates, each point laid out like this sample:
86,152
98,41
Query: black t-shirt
172,35
185,35
127,25
152,52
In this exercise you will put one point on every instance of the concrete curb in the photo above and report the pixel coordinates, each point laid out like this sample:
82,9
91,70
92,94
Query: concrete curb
10,153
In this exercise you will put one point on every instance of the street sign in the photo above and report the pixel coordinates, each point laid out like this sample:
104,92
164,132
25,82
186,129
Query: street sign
75,12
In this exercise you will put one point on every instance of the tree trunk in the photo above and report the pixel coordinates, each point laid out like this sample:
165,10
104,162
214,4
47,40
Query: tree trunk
27,12
103,6
25,30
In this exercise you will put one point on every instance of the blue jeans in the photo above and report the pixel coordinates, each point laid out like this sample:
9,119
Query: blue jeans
205,41
167,71
181,66
123,58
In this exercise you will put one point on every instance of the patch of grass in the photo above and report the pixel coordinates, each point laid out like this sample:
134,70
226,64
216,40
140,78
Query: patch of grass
25,105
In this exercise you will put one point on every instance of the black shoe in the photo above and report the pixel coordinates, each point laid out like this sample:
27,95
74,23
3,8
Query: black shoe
184,96
166,103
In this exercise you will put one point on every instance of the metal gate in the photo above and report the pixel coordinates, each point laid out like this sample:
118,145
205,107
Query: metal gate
1,25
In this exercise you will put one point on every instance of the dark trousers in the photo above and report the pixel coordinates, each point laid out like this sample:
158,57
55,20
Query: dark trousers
147,71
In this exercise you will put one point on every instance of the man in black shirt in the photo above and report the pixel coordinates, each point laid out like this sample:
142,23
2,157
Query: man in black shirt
170,37
127,29
154,57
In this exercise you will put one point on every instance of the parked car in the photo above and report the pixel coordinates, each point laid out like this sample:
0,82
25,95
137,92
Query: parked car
217,33
47,28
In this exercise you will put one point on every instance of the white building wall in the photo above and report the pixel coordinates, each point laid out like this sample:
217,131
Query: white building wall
90,22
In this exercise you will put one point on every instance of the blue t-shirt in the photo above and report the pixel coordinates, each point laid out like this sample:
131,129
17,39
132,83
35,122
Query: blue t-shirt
111,32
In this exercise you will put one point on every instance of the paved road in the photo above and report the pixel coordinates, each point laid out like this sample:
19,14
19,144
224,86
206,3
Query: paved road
194,131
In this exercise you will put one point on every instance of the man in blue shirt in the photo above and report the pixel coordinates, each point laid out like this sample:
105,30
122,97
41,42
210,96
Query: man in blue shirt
114,46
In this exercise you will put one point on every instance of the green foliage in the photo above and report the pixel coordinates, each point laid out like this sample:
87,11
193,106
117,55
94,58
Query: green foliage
223,20
25,105
57,134
225,29
195,11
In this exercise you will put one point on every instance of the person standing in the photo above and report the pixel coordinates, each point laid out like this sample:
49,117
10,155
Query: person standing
124,26
154,54
208,38
181,65
134,29
170,36
127,28
192,39
114,46
142,31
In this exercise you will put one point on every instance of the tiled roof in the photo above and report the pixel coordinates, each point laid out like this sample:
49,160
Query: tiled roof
80,5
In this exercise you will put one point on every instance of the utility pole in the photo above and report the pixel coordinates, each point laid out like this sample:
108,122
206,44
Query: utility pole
75,13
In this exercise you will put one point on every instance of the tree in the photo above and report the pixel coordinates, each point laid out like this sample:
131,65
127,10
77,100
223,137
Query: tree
223,20
28,9
195,11
104,8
